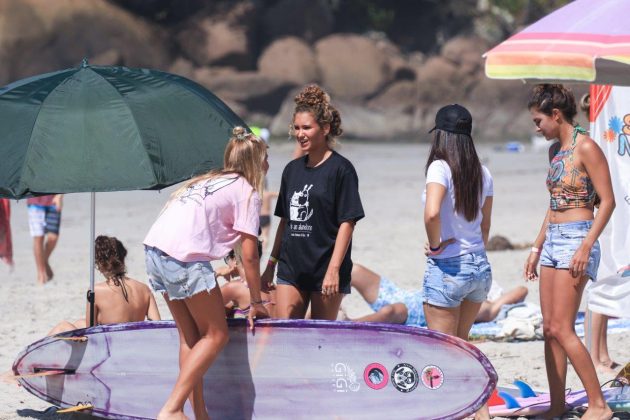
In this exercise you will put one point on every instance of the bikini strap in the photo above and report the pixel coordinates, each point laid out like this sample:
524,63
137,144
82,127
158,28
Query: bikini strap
577,129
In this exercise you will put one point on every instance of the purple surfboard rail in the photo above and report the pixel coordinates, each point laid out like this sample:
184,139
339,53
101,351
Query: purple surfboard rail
287,369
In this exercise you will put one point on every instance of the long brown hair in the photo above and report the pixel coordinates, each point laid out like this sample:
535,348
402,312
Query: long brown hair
458,151
244,155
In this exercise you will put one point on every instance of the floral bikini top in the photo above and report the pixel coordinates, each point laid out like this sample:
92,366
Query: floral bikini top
570,187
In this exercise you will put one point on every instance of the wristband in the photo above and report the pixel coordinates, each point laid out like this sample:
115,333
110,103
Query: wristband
256,302
535,250
273,260
434,249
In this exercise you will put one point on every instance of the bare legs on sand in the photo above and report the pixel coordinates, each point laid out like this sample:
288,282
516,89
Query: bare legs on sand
43,246
203,333
560,296
599,343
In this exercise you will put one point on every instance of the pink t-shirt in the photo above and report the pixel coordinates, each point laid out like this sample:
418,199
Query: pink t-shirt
42,200
205,222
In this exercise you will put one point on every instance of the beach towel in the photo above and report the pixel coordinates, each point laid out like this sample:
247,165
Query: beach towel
6,246
516,330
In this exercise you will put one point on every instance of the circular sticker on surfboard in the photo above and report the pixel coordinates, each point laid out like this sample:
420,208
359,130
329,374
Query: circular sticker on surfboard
375,376
432,377
404,377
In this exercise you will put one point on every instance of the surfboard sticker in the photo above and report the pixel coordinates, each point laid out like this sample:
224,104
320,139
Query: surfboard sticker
432,377
376,376
360,370
404,377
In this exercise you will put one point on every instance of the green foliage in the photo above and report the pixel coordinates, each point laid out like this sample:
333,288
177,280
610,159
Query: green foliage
380,18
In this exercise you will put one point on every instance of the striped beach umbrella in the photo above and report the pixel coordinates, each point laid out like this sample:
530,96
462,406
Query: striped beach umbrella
585,41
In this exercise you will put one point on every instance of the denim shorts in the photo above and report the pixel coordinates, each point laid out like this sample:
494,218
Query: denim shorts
561,242
448,281
180,280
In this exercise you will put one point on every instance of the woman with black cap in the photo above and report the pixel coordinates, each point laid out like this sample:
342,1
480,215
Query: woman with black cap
458,205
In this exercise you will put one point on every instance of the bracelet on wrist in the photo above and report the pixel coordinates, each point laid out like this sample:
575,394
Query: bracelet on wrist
535,250
434,249
272,260
256,302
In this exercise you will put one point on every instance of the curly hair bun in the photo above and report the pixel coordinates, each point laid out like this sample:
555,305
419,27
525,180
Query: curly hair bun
547,96
315,100
238,131
312,95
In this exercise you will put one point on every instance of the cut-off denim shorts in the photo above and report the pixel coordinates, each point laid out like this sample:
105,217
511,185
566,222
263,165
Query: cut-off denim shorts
180,280
561,242
448,281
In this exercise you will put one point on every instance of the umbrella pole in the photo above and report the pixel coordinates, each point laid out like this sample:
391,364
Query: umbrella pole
90,294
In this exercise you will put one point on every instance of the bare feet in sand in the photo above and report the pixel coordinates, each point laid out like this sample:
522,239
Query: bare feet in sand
176,415
42,278
607,366
49,272
598,413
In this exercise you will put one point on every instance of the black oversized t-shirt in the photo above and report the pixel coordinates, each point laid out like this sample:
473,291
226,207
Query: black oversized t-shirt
315,201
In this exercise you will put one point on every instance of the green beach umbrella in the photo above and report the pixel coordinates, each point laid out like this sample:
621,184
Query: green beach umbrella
100,128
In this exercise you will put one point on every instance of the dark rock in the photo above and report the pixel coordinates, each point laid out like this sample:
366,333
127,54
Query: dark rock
254,91
400,96
437,81
499,243
222,39
306,19
46,36
357,121
291,60
182,67
352,66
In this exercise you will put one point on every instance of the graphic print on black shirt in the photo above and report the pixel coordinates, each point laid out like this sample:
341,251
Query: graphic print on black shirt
314,202
299,210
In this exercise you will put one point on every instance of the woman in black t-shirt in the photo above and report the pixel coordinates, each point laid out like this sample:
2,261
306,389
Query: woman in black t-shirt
319,205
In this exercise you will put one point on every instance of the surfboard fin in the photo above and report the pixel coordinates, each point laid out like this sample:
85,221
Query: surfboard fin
524,388
78,407
510,401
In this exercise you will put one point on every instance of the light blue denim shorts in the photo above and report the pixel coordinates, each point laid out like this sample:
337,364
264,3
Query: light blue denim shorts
561,242
180,280
448,281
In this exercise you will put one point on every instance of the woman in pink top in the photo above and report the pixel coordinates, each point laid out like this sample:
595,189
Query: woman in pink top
203,221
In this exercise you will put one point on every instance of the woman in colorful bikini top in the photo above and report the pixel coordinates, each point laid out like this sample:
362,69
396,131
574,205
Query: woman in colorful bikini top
566,246
570,185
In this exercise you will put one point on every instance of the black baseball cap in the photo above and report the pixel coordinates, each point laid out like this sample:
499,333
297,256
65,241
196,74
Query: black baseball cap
454,119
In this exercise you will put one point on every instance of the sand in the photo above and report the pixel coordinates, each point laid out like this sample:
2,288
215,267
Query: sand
389,240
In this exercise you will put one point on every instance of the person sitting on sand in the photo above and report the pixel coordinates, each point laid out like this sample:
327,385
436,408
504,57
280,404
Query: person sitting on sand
392,304
236,297
119,298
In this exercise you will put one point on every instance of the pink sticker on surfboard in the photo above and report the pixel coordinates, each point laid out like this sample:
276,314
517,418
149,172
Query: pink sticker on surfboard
432,377
375,376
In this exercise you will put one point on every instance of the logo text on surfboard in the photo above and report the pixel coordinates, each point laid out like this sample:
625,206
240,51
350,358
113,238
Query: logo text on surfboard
344,378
